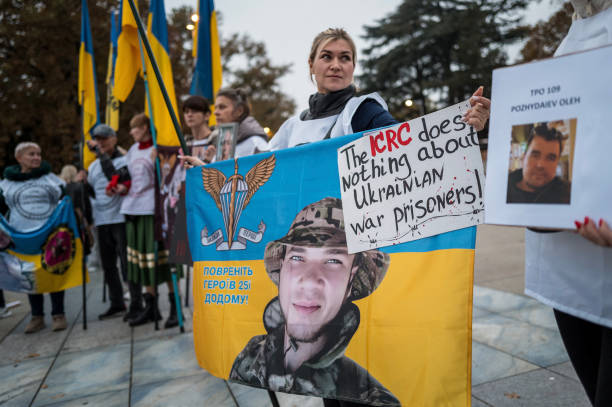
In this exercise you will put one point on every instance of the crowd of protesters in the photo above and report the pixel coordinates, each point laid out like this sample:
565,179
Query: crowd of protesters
122,187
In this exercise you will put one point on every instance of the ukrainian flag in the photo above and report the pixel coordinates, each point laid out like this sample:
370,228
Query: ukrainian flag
206,79
414,334
128,53
45,260
112,104
88,93
157,32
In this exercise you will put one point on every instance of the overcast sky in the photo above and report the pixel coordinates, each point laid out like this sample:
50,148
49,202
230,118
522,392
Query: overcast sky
287,27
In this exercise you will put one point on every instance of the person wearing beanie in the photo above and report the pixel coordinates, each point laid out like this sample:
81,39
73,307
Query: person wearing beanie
107,173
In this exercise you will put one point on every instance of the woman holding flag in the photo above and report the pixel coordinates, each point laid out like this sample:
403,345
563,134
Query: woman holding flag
30,191
334,110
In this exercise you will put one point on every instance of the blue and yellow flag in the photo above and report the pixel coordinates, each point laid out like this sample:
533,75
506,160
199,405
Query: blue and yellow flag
206,79
112,104
279,303
128,53
157,32
45,260
88,92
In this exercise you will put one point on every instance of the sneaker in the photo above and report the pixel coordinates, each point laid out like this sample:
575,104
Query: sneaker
59,323
5,312
112,312
36,324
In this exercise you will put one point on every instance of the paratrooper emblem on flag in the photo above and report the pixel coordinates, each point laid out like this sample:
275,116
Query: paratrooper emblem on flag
232,195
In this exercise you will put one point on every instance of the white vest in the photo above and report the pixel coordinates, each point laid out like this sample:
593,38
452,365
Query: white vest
295,131
564,270
140,199
31,202
105,208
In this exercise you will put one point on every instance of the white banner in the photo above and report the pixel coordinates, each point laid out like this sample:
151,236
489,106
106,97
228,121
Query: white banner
550,141
410,181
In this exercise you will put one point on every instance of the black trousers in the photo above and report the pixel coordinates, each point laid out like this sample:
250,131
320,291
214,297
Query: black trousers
589,347
37,304
112,245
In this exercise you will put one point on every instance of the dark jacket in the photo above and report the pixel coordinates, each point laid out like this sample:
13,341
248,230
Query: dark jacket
328,374
556,191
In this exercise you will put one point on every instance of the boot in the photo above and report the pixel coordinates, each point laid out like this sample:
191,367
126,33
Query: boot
172,320
136,307
36,324
149,312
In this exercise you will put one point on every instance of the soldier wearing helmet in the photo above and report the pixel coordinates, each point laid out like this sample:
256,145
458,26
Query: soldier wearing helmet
313,319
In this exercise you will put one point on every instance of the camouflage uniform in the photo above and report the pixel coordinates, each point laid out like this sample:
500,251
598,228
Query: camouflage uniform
329,373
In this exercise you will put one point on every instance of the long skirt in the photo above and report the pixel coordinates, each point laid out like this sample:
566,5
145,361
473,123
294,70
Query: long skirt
140,233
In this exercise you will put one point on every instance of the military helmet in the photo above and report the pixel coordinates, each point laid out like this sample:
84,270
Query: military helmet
321,224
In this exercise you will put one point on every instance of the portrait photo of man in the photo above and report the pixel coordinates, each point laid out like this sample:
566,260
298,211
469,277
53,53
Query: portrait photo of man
312,320
541,176
226,141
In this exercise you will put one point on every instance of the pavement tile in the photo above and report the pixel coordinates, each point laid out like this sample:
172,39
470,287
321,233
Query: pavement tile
18,346
566,369
514,284
78,374
478,403
498,301
490,364
198,390
479,312
540,388
98,333
164,358
248,396
539,314
294,400
119,398
18,313
147,331
20,381
537,345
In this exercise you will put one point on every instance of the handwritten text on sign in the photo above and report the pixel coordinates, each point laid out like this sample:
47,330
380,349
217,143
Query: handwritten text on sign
413,180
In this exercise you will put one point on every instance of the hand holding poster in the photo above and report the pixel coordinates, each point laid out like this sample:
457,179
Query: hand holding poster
413,180
549,146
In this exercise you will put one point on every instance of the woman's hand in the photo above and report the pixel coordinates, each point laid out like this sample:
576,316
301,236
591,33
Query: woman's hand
189,161
478,115
210,153
601,235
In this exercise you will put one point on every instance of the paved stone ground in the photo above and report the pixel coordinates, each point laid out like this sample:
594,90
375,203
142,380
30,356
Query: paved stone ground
518,358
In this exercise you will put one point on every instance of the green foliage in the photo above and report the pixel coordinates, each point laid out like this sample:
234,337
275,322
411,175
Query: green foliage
39,48
438,51
256,73
546,36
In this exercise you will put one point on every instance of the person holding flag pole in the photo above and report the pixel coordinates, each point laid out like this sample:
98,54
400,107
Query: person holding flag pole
144,133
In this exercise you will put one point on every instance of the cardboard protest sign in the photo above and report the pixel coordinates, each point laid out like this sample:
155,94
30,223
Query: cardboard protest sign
549,142
279,303
45,260
413,180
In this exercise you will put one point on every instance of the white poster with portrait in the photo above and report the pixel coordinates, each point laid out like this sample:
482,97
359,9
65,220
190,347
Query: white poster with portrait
549,142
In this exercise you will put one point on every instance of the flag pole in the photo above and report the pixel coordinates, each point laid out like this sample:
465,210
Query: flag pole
157,170
81,159
160,81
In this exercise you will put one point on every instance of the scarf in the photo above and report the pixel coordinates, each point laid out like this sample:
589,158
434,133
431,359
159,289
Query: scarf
13,173
323,105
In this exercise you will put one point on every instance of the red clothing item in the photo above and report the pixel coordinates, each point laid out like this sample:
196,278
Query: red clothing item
145,144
